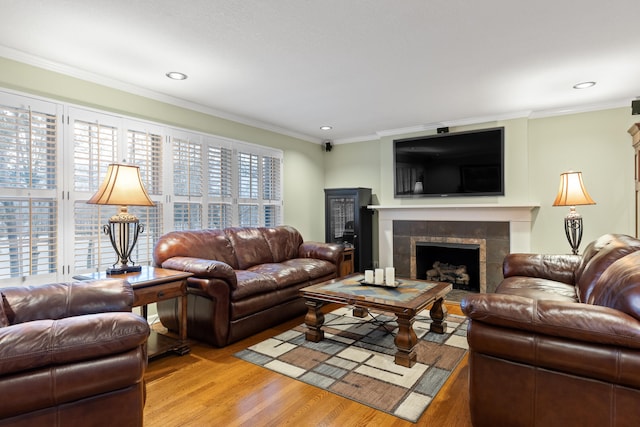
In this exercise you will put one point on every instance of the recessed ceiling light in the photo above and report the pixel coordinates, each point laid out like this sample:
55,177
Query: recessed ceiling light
584,85
175,75
326,127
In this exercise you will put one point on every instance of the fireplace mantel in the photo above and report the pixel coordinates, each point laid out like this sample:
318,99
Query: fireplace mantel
519,217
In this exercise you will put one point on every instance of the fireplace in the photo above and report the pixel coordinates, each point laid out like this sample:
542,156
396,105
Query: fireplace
455,263
497,229
489,241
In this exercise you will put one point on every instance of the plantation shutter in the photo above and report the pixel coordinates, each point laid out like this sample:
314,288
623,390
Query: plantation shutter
95,145
271,190
220,187
187,184
28,184
248,179
144,149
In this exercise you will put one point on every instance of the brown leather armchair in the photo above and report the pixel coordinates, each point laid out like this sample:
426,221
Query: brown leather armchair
558,343
71,354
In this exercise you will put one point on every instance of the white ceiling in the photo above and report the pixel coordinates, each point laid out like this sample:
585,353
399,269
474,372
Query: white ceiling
365,67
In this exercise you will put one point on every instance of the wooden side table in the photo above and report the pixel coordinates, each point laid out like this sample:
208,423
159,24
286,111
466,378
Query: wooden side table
152,285
346,266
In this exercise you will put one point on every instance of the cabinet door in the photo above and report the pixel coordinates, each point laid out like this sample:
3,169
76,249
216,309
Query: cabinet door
348,222
341,219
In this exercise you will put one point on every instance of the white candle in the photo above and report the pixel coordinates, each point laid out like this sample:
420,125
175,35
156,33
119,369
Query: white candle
368,276
390,276
379,279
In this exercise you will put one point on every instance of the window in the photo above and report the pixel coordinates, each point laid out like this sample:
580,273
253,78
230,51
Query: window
53,158
99,140
28,188
219,183
145,149
95,146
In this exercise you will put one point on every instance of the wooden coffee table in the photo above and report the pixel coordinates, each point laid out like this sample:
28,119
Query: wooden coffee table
405,302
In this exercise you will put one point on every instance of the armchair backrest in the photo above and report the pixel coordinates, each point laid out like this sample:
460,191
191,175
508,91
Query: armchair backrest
619,286
59,300
597,257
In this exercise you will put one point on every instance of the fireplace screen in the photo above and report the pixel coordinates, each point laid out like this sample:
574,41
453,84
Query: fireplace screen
456,263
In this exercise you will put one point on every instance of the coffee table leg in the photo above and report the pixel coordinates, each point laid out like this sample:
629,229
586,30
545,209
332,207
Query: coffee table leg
438,314
314,320
406,341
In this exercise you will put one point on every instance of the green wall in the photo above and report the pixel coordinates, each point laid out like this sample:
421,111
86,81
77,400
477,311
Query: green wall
597,144
304,161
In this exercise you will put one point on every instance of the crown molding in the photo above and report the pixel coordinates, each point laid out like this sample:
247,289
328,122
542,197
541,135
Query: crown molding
618,103
530,114
53,66
74,72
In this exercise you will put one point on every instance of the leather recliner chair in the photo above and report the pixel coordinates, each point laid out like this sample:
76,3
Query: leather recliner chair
72,354
558,343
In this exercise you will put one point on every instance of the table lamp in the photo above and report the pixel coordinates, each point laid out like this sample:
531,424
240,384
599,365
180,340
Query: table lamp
572,193
122,186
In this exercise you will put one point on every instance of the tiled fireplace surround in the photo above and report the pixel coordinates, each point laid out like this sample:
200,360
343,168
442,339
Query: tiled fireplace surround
497,230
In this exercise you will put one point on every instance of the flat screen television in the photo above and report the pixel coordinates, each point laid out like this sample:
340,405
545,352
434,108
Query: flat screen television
450,164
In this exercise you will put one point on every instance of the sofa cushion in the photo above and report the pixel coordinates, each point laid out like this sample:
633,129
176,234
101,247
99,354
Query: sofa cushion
283,241
204,244
598,256
619,286
251,283
284,275
537,288
250,246
315,268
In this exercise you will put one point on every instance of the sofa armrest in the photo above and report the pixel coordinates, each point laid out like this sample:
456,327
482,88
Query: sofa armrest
567,320
331,252
203,268
41,343
559,268
60,300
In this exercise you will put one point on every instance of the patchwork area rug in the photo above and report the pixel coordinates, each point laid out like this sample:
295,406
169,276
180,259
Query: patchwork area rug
356,360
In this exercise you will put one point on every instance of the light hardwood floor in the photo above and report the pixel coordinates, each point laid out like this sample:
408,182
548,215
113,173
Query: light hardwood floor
210,387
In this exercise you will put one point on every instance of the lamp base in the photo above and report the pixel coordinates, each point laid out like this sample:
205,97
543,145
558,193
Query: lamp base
124,269
573,230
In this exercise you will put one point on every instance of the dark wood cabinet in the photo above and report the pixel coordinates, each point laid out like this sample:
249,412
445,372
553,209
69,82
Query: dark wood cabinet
348,221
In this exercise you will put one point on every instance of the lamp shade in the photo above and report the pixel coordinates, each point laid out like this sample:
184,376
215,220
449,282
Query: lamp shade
572,191
121,186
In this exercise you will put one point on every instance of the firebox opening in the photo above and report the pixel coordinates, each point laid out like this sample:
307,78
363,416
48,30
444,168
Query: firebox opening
456,263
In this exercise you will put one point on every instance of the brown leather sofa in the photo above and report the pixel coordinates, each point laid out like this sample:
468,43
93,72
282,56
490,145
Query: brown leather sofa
558,344
71,354
246,279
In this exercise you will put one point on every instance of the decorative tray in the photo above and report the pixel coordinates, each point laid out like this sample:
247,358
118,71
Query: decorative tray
384,285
